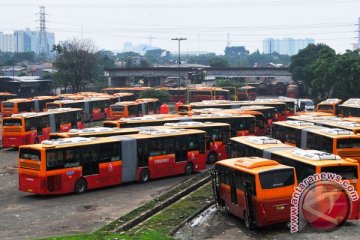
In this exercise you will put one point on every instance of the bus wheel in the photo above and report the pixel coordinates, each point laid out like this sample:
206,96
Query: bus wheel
80,186
144,176
189,169
249,225
212,158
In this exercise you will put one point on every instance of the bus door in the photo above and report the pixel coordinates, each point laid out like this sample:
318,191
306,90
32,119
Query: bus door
216,187
53,126
249,207
129,171
233,195
90,166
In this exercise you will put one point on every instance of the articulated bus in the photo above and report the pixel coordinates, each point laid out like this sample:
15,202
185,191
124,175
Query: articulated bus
79,164
122,97
134,90
241,125
208,93
217,137
94,109
279,106
330,105
350,108
255,189
16,105
305,162
30,128
332,140
246,93
261,127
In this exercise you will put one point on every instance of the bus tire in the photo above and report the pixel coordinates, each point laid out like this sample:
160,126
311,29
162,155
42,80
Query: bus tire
249,225
212,158
144,176
80,186
189,169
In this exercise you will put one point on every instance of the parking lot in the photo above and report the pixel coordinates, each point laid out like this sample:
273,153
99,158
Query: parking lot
27,216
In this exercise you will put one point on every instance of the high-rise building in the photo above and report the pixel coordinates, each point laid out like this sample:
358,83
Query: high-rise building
358,45
23,41
288,46
7,42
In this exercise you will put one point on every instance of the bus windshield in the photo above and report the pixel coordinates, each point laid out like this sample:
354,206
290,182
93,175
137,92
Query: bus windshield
346,172
277,178
12,122
8,104
30,154
182,109
348,143
118,108
325,107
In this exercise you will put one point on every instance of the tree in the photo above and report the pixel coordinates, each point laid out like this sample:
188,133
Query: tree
218,62
77,64
301,66
163,96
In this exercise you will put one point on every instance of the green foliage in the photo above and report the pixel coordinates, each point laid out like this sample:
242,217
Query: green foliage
325,74
231,83
163,96
218,62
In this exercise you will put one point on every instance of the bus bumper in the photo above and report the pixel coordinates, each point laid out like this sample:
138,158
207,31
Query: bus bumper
13,141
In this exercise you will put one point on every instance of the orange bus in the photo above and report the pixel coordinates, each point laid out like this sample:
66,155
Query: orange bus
207,93
350,108
5,96
217,137
255,189
305,162
78,164
29,128
330,105
332,140
16,105
125,109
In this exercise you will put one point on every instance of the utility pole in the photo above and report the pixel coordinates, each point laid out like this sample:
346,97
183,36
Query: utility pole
179,62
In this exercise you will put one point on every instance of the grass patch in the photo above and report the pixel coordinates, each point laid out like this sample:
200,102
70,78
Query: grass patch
172,216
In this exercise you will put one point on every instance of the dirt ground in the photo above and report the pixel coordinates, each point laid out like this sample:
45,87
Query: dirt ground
27,216
216,224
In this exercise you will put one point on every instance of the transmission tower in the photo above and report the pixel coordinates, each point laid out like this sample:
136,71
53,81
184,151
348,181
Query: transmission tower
42,44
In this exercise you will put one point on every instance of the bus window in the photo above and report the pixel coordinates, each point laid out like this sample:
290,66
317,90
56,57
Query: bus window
12,122
30,154
277,178
8,104
346,172
348,143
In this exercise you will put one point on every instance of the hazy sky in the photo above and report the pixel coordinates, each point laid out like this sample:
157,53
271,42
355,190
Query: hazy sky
205,23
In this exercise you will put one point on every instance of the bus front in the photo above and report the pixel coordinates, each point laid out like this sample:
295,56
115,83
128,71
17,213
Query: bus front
348,147
7,108
13,132
31,170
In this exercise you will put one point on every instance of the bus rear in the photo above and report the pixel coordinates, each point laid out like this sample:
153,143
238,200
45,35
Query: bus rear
17,105
124,110
255,189
13,132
